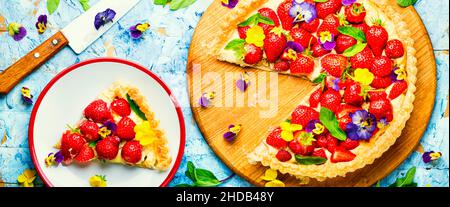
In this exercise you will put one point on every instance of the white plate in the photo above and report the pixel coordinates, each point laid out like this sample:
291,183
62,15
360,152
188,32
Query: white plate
62,102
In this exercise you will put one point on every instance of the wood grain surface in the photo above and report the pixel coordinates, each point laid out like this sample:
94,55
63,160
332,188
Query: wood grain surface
206,74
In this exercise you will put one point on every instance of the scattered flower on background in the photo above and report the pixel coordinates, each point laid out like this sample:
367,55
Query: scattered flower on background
26,95
206,98
26,179
41,24
98,181
233,131
17,31
255,35
326,39
363,76
271,176
362,126
303,11
243,83
54,159
230,3
104,17
145,133
430,156
138,30
348,2
288,130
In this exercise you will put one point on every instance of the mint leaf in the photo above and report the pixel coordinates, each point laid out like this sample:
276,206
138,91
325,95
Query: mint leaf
321,1
329,120
136,108
237,45
190,171
183,185
355,49
406,3
320,78
84,4
309,160
407,181
161,2
180,4
256,19
93,144
205,178
52,5
353,32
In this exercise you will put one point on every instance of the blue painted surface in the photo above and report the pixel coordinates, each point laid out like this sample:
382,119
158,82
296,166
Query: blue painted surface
164,51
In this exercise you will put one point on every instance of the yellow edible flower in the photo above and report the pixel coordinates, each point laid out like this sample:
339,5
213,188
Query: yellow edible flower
143,27
271,176
255,35
236,129
435,155
275,183
98,181
292,55
363,76
319,128
325,37
288,130
27,178
104,132
144,133
401,73
13,28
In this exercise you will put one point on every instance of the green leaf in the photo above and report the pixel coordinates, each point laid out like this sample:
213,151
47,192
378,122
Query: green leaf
84,4
320,78
378,184
309,160
161,2
93,144
406,3
183,185
180,4
205,178
255,19
355,49
190,171
52,5
136,108
329,120
237,45
321,1
407,181
353,32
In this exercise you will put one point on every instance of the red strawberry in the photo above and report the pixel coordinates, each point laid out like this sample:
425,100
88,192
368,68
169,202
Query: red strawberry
363,59
343,42
315,97
349,144
266,28
71,144
398,89
304,114
269,13
297,148
344,121
319,51
355,13
377,37
125,129
97,111
377,95
254,54
332,143
319,153
274,45
274,139
394,49
132,152
330,23
303,37
352,94
303,65
283,14
381,82
380,108
329,7
334,64
86,154
345,110
243,31
90,130
281,66
362,26
107,148
311,26
331,99
283,156
382,66
121,107
342,155
322,140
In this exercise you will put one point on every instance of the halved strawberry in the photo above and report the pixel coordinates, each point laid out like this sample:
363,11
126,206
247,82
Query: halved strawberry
253,54
398,89
71,144
319,152
274,139
283,155
340,154
304,114
349,144
243,31
332,143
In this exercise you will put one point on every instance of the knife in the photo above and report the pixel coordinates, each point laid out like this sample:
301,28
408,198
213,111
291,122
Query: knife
79,34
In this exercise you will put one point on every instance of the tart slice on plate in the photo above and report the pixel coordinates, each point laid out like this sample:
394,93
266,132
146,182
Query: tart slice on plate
118,127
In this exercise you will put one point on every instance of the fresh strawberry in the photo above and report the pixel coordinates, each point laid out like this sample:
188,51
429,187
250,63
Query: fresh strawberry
382,66
329,7
266,28
332,143
380,108
254,54
71,144
355,13
343,42
322,140
330,23
394,49
243,31
303,65
269,13
398,89
297,148
362,26
274,45
283,156
303,37
340,154
86,154
381,82
363,59
125,129
89,129
331,99
319,51
274,139
281,66
132,151
349,144
311,26
283,13
377,37
107,148
318,152
352,94
344,121
377,95
97,111
304,114
121,107
334,64
315,98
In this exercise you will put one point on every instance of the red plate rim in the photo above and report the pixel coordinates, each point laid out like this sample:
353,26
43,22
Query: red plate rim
114,60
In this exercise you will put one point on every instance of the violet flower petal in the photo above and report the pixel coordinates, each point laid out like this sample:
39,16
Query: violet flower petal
329,45
348,2
229,136
231,3
295,46
426,157
241,85
203,101
104,17
21,34
311,125
135,33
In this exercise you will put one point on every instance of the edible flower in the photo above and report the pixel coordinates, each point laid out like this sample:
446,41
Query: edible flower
54,159
17,31
363,76
271,176
138,30
243,82
288,130
326,39
98,181
145,133
233,131
362,126
348,2
335,84
382,123
427,157
255,35
110,125
315,127
206,98
26,95
398,73
27,178
230,3
303,12
104,17
104,132
41,24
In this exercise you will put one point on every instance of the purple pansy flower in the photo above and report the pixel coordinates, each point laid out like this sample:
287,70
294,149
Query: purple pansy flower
326,39
348,2
303,11
427,157
297,47
335,84
41,24
233,131
315,126
17,31
362,126
230,3
110,125
243,83
206,98
138,30
26,95
104,17
59,157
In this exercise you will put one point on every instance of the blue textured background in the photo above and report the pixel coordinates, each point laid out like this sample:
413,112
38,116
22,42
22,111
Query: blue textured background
164,51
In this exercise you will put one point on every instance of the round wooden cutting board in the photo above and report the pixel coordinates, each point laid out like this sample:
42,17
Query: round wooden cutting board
272,97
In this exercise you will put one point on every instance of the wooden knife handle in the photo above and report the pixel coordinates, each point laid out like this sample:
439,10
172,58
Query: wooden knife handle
20,69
